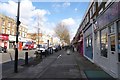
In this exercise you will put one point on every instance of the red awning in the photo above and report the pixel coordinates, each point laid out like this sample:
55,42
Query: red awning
4,37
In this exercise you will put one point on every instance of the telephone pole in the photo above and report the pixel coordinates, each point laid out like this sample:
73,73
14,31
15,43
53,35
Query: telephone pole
17,34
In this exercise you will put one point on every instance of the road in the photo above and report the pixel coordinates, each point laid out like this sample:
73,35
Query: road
63,67
58,65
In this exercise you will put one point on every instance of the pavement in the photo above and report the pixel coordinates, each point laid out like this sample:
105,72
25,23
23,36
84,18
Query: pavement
60,66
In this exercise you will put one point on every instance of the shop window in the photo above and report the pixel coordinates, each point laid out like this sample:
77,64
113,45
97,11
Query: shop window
112,29
88,41
118,28
104,42
112,41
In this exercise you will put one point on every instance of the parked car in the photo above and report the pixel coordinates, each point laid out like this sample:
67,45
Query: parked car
50,50
56,48
28,46
41,49
3,49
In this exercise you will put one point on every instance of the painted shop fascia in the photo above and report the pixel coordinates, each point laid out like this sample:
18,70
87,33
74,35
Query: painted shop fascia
107,36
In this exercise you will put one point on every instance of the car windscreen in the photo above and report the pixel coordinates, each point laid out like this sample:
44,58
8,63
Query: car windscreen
40,46
28,43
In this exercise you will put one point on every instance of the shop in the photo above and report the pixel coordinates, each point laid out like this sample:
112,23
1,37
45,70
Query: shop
80,42
12,40
21,42
87,41
107,40
4,40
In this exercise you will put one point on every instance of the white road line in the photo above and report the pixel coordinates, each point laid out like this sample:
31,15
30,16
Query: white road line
59,56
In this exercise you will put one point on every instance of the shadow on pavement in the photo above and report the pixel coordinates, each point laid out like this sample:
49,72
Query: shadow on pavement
8,67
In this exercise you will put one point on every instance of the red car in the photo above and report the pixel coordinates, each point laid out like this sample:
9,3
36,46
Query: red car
28,46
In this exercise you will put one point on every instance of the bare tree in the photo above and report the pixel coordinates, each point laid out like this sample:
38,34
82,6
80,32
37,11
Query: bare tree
62,32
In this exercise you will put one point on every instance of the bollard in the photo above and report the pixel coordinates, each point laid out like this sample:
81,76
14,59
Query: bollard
26,58
40,54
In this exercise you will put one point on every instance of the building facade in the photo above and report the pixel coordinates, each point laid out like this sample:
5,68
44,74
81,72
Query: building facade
8,32
101,36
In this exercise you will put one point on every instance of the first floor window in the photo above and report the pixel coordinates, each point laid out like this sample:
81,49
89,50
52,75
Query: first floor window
104,42
8,31
3,30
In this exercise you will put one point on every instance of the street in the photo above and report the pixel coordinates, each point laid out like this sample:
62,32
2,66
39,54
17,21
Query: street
59,65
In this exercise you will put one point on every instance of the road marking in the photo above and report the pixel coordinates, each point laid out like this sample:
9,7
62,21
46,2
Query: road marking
59,56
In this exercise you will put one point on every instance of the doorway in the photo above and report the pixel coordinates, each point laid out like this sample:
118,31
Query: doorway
112,49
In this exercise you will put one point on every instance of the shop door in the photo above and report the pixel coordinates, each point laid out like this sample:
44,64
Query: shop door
113,54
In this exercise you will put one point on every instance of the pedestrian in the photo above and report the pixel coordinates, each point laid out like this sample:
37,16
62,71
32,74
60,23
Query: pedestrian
73,48
5,48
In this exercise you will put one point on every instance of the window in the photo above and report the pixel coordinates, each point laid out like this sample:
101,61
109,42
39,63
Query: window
3,30
8,31
100,10
88,41
108,2
112,41
20,28
118,28
112,29
12,32
94,7
3,22
87,17
23,34
9,24
104,42
99,2
91,12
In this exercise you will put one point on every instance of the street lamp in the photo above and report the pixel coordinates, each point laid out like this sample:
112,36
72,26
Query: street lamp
38,35
17,33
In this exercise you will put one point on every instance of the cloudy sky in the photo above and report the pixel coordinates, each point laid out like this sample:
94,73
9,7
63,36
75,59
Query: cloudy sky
47,14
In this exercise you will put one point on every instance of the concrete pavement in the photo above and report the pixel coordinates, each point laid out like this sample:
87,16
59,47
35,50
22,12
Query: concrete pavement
60,66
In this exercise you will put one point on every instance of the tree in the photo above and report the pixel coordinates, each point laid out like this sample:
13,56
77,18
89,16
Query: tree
62,32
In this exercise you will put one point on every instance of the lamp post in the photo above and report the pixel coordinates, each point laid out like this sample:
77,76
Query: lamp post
38,35
17,34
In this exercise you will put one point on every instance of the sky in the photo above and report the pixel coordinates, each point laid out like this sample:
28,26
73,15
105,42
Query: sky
47,14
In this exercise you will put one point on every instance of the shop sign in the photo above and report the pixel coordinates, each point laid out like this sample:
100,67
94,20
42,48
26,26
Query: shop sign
22,39
4,37
12,38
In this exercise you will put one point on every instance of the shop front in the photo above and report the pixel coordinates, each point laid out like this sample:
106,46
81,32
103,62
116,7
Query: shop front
4,40
88,45
109,41
22,42
81,44
12,40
